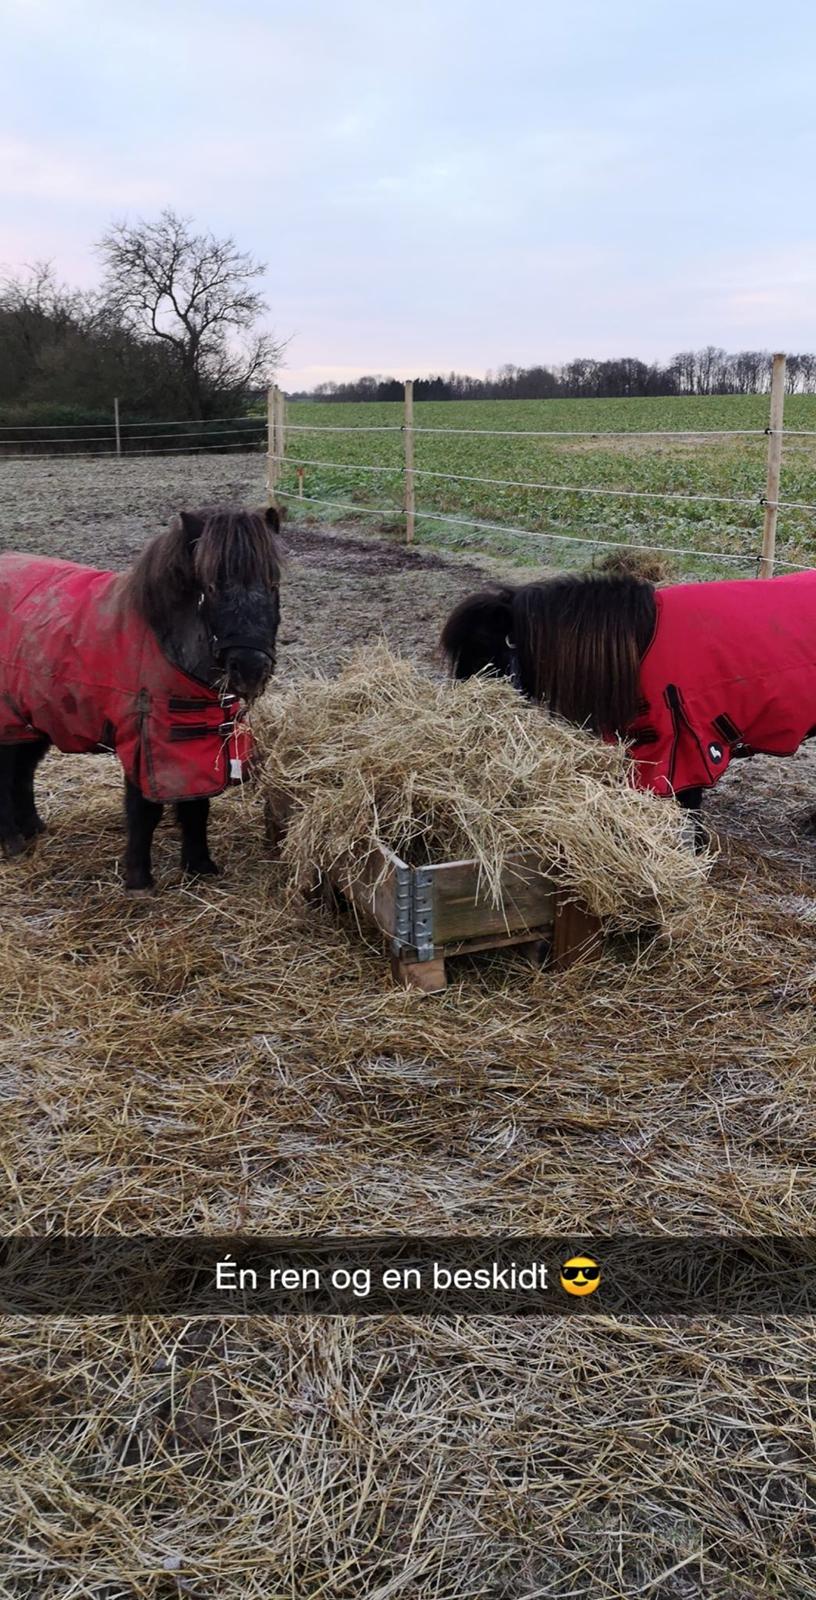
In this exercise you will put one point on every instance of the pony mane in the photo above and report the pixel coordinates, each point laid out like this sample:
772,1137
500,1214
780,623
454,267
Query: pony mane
580,640
214,547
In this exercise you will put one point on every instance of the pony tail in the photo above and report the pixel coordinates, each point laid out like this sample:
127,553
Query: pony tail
475,636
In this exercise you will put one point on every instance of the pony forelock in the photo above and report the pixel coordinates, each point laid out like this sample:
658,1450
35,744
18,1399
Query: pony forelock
214,547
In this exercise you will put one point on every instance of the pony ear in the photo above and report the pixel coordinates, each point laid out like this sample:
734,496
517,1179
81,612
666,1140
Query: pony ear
477,633
271,517
192,526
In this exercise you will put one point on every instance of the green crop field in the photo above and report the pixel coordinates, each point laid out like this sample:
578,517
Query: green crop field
721,467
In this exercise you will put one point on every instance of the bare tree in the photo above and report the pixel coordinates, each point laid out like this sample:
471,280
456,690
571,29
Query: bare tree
195,293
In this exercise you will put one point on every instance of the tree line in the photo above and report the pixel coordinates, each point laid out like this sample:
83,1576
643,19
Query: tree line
692,372
171,331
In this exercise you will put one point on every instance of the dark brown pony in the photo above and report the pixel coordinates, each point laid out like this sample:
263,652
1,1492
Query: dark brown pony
573,643
208,588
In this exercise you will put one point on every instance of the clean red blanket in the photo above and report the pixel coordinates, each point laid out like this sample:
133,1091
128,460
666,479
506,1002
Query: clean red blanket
731,668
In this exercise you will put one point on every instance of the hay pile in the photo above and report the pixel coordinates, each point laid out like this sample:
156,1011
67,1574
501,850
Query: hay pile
383,755
223,1057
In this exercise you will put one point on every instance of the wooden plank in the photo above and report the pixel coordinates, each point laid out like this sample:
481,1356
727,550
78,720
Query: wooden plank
527,901
429,976
576,934
277,807
525,938
374,889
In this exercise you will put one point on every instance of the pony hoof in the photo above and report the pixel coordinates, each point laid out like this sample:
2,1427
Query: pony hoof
32,830
200,869
138,883
13,846
147,892
808,825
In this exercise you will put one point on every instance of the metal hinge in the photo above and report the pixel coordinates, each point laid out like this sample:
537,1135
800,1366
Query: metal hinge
423,940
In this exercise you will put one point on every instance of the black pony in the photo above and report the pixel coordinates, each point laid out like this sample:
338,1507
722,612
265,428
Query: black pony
201,603
574,643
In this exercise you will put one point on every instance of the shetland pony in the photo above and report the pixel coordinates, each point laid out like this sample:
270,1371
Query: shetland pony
691,675
155,664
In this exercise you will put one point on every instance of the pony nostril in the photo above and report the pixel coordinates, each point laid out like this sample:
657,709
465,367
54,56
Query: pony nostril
249,667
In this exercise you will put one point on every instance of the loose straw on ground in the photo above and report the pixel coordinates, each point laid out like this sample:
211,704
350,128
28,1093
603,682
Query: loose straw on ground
223,1058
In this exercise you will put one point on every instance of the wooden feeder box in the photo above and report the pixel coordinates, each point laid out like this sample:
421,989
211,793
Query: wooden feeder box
428,914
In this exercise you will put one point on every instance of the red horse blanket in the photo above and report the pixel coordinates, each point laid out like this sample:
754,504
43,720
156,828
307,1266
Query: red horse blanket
79,664
731,668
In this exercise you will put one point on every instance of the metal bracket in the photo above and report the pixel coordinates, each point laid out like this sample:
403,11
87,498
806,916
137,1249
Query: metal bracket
422,937
403,932
413,933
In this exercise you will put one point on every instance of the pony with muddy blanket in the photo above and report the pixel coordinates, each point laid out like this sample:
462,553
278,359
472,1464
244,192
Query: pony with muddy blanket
157,665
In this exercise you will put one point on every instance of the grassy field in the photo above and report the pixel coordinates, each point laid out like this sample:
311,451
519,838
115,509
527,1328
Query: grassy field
721,467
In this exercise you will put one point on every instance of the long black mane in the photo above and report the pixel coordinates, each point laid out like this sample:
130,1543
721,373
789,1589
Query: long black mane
576,643
211,549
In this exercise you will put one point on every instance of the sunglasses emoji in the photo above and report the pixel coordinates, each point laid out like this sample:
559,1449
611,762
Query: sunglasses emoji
580,1275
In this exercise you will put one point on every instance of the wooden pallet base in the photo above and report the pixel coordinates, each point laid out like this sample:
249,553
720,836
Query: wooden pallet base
432,976
429,976
575,935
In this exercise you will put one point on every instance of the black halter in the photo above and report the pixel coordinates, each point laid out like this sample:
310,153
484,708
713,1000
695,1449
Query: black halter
219,643
514,672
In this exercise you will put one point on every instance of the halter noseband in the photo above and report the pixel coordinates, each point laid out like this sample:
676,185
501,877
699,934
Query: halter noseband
514,672
219,645
202,601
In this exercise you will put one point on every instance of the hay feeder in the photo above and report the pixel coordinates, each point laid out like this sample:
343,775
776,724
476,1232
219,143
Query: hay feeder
429,914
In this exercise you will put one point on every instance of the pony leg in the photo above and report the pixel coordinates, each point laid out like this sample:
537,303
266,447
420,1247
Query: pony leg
191,816
29,757
692,800
12,842
142,818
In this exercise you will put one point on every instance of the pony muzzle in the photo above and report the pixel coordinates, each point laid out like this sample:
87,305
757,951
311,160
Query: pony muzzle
247,669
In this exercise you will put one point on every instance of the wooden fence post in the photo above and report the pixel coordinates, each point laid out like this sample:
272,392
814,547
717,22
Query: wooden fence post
766,564
408,435
271,463
273,451
116,426
280,429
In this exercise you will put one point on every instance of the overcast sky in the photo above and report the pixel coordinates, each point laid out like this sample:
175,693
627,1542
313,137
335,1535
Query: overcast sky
437,184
